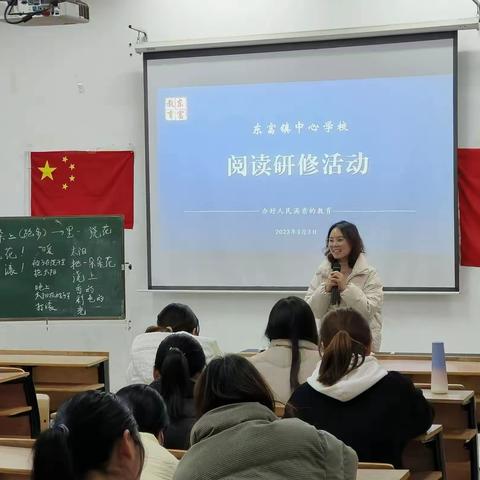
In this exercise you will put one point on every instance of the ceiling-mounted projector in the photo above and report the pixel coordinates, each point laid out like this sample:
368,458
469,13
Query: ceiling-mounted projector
45,12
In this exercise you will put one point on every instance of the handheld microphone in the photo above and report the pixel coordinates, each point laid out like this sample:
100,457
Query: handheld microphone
335,297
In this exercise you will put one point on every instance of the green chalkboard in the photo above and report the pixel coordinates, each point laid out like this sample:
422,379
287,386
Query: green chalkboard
62,267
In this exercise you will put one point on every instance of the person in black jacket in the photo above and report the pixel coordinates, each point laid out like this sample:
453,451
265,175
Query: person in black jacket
178,363
355,399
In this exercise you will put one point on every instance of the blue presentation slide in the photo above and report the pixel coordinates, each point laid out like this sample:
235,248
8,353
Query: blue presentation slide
268,166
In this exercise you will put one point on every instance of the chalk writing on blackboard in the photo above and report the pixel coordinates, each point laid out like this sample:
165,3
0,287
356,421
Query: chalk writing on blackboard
64,267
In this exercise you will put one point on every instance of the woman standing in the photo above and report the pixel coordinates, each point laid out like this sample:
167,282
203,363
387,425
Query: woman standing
346,279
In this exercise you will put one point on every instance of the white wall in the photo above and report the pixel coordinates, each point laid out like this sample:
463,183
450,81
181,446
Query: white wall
41,108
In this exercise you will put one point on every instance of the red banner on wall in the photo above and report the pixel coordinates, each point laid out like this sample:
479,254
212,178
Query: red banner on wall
469,200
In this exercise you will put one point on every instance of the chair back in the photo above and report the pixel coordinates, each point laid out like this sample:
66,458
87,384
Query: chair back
279,409
43,401
11,369
177,453
375,466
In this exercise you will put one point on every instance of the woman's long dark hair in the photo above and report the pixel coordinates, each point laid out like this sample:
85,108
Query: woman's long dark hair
231,379
292,319
85,432
352,236
345,338
179,358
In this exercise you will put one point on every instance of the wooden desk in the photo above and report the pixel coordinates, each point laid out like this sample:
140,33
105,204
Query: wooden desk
424,455
419,369
15,462
465,372
19,416
61,374
367,474
455,410
61,359
461,397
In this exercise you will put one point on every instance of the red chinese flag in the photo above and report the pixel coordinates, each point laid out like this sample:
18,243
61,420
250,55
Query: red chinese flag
469,198
82,183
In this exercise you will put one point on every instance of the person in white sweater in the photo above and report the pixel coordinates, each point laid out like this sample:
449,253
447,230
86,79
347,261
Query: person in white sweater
175,317
346,279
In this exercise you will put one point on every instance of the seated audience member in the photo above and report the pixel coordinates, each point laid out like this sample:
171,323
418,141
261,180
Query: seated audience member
239,436
175,317
293,352
354,398
94,436
150,412
178,363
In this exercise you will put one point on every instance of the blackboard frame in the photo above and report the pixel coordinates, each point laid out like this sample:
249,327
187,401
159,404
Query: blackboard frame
121,267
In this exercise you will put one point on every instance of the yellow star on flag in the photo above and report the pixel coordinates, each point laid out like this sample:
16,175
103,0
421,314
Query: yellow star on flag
72,166
72,178
64,186
47,171
65,159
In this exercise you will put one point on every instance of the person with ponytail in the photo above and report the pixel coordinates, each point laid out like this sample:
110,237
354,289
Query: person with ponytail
179,361
354,398
293,352
94,437
150,412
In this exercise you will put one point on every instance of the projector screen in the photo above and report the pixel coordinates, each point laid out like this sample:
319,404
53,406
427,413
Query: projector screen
254,151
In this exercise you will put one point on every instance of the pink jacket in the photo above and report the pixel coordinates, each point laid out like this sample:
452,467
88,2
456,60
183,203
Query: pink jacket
364,293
